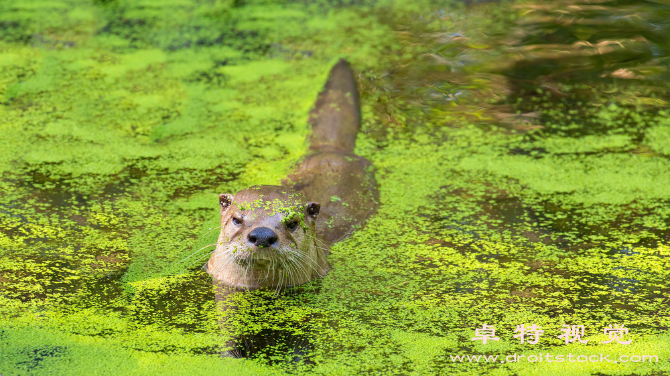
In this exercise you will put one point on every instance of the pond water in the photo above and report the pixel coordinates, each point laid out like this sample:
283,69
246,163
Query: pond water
521,151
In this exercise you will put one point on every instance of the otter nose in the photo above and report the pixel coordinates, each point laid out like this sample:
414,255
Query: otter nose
262,237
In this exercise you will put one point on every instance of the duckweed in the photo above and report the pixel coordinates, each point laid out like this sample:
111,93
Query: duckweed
504,200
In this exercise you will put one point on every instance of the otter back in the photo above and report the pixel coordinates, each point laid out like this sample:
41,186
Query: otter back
342,182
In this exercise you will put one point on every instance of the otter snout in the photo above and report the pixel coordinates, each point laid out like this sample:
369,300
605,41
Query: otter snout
262,237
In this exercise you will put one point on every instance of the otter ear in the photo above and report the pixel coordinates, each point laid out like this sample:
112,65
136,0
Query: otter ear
225,200
313,209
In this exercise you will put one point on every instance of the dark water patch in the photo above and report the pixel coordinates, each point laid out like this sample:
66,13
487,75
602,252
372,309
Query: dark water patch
278,50
572,227
473,226
38,355
560,70
590,111
206,180
273,347
39,40
179,303
599,291
209,77
46,267
12,228
38,278
52,191
619,284
106,292
62,200
587,289
124,181
481,281
495,216
107,268
534,152
626,251
62,192
153,26
14,31
270,326
577,230
490,257
651,242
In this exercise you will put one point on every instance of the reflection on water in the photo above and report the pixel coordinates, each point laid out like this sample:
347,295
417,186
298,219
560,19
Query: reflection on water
561,83
276,343
275,346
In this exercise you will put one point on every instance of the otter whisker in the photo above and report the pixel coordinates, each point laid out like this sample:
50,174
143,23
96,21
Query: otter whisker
230,259
208,254
318,241
212,229
307,261
270,270
204,266
290,272
278,267
298,270
308,276
246,269
192,254
302,264
304,257
277,288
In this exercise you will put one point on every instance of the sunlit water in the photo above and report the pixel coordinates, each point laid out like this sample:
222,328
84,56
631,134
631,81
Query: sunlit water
521,152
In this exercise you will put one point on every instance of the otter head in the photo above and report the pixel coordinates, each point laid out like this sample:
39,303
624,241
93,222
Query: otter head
267,239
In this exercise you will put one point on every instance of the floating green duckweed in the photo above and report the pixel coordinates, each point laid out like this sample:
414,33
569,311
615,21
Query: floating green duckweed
505,198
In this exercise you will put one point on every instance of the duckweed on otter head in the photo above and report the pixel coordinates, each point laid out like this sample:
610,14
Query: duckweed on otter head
507,196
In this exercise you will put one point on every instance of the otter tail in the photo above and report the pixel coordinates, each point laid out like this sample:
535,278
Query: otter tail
336,116
332,175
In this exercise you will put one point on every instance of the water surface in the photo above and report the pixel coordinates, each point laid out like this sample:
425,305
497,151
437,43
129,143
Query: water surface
522,159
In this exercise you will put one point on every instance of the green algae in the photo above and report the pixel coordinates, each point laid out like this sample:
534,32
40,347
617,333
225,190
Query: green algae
122,123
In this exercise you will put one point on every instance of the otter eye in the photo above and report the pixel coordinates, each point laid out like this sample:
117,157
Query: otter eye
292,225
237,221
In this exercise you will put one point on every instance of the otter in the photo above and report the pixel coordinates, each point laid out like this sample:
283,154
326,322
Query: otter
279,236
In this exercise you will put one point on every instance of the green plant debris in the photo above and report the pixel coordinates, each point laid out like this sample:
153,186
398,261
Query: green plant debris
521,160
